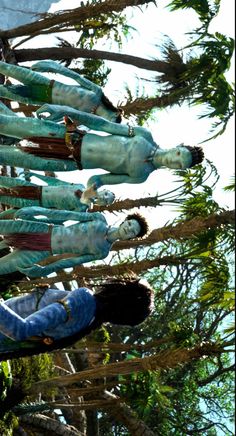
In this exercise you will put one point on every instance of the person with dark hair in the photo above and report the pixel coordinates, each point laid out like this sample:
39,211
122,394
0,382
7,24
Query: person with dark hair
56,194
37,89
128,154
51,318
142,222
37,234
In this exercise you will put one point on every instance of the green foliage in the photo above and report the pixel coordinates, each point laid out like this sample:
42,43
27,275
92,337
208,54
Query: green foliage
211,86
201,79
199,190
206,9
32,369
101,335
193,304
145,392
8,424
216,281
141,115
95,70
5,379
199,204
111,27
231,185
183,333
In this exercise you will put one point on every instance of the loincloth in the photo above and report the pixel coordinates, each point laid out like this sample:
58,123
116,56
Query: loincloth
37,241
28,192
39,92
58,148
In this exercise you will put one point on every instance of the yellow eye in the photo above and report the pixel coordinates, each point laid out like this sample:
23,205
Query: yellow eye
178,153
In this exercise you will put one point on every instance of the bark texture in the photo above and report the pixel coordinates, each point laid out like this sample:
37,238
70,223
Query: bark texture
163,360
72,17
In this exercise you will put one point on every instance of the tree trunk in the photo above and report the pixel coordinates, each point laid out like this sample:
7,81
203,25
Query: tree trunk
115,407
76,417
128,204
104,270
117,347
163,360
122,413
71,17
99,271
183,230
143,105
49,425
59,53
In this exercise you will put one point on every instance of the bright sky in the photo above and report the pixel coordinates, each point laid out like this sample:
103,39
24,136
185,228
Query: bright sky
172,126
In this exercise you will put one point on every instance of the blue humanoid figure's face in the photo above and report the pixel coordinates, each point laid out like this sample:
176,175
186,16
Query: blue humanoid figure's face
175,158
178,158
129,229
105,197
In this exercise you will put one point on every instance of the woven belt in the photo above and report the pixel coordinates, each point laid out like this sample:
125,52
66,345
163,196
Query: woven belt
66,306
73,141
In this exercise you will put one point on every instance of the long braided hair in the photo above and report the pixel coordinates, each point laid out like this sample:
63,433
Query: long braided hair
125,301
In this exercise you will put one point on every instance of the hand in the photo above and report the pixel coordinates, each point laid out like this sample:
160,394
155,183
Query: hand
21,214
55,112
32,271
88,193
44,67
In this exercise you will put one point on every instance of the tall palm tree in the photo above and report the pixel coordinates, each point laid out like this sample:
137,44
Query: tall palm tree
63,19
197,80
169,358
205,9
60,20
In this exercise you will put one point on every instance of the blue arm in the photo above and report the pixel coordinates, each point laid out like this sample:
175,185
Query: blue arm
53,67
18,329
91,121
55,215
43,271
114,179
14,181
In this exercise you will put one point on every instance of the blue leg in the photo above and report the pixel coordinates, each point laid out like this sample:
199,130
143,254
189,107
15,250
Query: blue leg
21,259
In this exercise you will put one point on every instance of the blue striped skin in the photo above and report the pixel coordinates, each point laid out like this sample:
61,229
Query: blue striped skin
86,240
15,157
57,194
38,89
127,159
20,318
